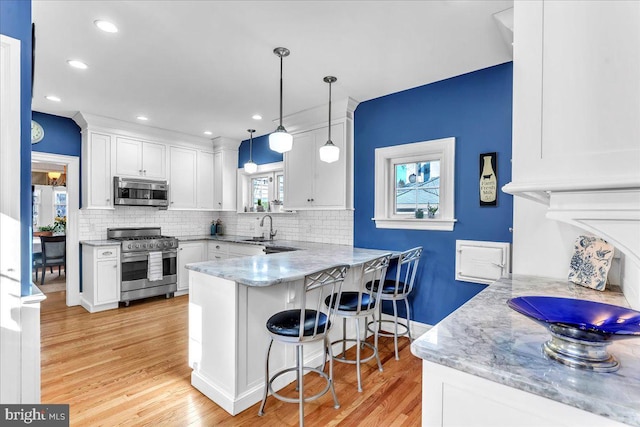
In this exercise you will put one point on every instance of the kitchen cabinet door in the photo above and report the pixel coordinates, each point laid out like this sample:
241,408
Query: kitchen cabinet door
225,164
182,178
100,277
97,181
128,155
106,283
299,171
204,180
154,160
188,252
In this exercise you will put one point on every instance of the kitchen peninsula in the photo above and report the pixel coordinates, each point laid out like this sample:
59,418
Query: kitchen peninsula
488,359
229,303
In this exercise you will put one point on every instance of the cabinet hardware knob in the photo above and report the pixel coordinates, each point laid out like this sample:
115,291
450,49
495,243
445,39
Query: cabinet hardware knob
107,253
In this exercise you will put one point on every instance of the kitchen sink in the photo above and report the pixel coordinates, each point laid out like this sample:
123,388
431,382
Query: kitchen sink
257,239
277,249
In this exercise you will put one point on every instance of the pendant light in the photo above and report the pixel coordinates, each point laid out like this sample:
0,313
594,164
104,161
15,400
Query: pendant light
280,140
250,166
329,152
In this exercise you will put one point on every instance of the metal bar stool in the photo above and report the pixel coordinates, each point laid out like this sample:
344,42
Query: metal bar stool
316,321
356,305
395,290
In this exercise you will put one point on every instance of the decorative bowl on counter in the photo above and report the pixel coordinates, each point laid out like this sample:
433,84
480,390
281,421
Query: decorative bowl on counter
580,329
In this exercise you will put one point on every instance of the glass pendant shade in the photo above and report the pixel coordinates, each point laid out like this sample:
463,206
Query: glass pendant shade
280,141
329,153
250,166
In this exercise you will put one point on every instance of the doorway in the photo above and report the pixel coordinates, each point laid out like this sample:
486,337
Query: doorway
72,166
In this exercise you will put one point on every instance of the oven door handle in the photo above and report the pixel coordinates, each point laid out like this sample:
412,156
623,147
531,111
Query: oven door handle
143,256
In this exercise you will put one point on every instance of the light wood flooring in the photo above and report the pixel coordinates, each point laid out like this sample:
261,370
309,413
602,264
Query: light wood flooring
128,367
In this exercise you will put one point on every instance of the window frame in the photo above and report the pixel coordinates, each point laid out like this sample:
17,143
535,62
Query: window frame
244,183
384,192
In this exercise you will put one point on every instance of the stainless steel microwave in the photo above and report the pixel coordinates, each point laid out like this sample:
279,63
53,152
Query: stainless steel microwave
140,192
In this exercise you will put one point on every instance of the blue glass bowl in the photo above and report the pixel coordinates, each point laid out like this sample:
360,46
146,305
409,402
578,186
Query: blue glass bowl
605,319
580,330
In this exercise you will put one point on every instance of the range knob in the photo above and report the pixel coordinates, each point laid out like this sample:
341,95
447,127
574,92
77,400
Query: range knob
129,246
144,246
166,244
137,246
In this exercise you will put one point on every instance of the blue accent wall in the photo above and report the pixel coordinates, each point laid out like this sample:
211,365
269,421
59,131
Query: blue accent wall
474,108
15,22
261,152
61,135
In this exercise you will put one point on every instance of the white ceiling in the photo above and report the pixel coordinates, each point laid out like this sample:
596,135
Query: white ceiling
192,66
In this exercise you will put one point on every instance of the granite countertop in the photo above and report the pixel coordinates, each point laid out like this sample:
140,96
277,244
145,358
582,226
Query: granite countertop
488,339
267,270
104,242
297,244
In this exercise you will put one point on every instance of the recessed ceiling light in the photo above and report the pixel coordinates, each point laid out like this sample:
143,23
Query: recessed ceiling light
256,117
77,64
53,98
106,26
143,118
208,132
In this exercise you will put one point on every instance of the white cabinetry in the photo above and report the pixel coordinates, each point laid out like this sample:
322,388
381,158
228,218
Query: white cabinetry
96,170
244,249
100,277
204,180
182,177
225,165
217,250
311,183
445,391
188,252
140,158
576,93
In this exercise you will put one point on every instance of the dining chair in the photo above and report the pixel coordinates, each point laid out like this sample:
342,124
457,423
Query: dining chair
54,253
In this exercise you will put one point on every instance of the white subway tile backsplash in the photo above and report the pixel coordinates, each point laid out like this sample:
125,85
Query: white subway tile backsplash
335,227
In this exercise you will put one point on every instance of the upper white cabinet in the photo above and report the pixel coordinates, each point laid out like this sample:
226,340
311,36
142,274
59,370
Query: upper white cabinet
204,180
96,170
576,103
140,159
310,183
182,177
225,164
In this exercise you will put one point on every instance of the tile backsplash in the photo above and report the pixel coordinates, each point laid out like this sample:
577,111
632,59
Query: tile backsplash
334,227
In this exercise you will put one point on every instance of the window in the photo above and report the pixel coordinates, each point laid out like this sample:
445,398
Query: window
266,185
415,176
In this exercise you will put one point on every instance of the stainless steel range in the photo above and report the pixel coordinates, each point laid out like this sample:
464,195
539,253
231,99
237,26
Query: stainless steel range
148,262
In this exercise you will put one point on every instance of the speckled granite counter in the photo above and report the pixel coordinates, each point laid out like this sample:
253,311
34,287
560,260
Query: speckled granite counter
487,339
267,270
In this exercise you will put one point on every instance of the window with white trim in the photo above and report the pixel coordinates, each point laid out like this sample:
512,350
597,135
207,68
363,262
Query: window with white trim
266,186
415,177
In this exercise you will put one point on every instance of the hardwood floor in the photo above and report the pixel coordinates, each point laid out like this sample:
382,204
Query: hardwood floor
128,367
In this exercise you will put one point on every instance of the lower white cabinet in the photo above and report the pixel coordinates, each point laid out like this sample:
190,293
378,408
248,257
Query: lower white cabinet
188,252
100,277
243,249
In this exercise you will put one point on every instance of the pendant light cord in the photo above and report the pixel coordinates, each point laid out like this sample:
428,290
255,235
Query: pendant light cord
280,90
329,111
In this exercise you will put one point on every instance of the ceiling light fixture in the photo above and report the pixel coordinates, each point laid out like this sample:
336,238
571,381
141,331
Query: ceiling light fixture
256,117
54,175
106,26
281,141
143,118
77,64
250,166
208,132
53,98
329,152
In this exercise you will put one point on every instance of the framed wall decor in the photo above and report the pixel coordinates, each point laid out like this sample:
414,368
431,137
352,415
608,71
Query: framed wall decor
488,179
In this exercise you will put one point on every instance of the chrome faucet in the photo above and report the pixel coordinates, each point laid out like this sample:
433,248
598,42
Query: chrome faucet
272,233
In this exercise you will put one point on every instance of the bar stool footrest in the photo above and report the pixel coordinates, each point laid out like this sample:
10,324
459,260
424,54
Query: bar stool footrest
385,333
353,361
297,400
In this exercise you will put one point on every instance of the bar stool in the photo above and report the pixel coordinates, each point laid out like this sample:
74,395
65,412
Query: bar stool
395,290
316,321
356,305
